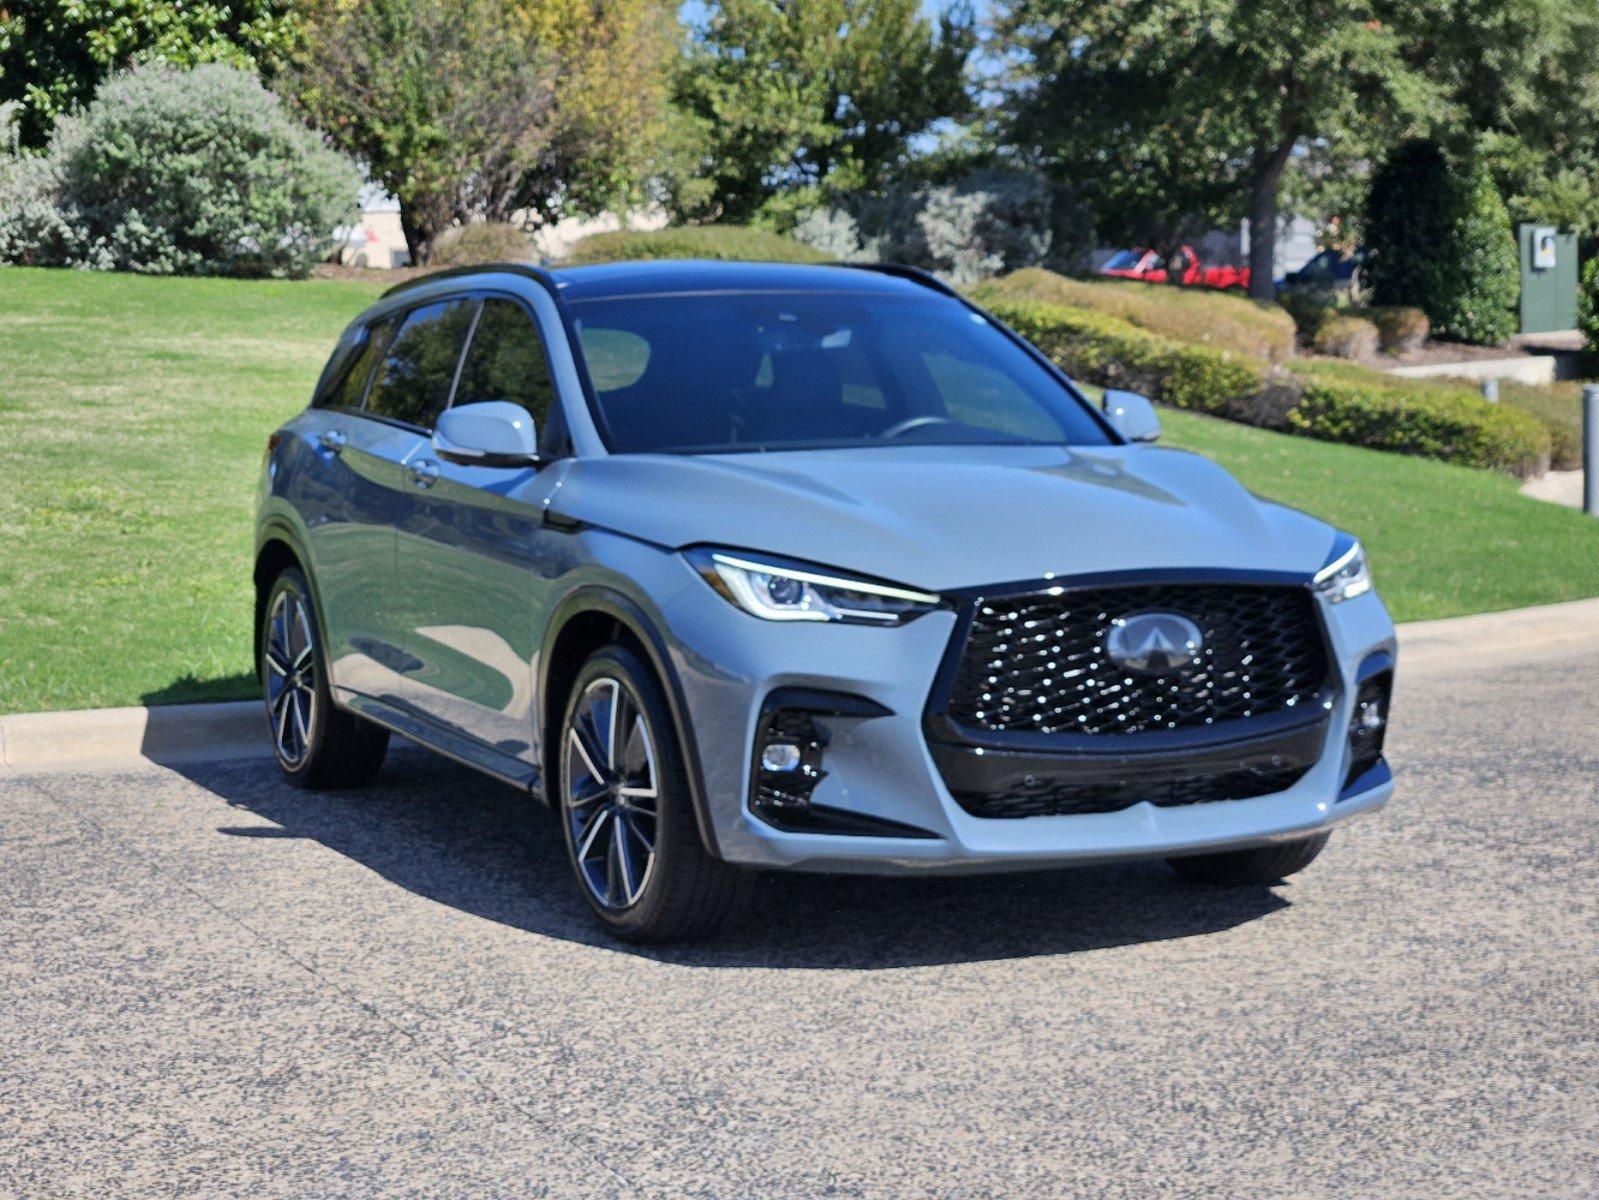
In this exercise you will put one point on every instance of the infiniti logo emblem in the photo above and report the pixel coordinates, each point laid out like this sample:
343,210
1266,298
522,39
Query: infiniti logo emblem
1155,643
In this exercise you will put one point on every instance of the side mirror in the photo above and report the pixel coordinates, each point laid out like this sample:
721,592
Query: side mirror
1133,415
493,433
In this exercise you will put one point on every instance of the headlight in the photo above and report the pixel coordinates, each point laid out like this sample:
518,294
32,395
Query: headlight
780,590
1346,574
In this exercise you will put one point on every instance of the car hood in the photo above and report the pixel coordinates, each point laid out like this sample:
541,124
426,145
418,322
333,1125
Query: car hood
943,517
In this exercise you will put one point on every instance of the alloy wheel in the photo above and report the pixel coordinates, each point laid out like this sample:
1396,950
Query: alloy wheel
290,670
611,794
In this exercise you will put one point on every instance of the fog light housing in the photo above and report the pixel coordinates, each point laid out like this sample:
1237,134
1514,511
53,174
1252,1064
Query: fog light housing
789,764
1368,723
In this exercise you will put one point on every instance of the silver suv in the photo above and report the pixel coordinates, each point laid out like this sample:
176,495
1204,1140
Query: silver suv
744,567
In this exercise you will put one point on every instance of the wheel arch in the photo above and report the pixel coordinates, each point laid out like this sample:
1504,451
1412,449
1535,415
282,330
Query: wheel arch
277,548
589,619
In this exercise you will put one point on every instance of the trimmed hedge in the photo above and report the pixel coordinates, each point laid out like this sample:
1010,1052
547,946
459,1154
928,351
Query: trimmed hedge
1110,352
1458,427
1209,318
728,243
1337,402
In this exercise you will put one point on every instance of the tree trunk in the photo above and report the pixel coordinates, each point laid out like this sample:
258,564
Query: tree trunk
417,239
1263,220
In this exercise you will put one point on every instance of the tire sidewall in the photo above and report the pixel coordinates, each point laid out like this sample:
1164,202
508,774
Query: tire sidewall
675,821
292,580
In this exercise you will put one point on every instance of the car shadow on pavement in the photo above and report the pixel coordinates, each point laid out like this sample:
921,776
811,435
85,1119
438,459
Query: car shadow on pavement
456,838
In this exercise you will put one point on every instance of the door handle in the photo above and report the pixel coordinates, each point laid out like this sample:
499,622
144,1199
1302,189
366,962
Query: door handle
332,440
424,472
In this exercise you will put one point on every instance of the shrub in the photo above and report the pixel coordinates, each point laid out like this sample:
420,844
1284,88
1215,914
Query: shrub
1588,305
1559,407
197,172
31,229
1333,401
832,233
1400,328
1210,318
1110,352
724,242
482,242
1441,241
1457,426
971,229
1344,335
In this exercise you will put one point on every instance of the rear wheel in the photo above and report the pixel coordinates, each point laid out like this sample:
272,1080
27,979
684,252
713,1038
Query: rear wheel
626,812
1260,865
316,744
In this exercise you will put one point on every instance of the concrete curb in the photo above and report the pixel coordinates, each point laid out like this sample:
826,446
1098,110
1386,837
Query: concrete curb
172,735
187,733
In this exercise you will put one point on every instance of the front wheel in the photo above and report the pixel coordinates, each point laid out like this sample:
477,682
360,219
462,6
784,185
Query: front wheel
1260,865
316,744
628,818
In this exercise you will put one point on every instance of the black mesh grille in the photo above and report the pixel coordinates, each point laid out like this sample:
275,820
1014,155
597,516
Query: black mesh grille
1037,663
1059,798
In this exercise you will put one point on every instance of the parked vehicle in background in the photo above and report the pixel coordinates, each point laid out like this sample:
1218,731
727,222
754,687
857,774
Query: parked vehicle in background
745,566
1331,270
1147,266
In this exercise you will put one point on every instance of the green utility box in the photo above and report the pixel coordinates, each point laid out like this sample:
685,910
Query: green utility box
1548,279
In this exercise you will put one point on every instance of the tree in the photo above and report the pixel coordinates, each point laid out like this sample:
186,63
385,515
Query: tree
815,95
1178,114
54,53
1440,240
490,109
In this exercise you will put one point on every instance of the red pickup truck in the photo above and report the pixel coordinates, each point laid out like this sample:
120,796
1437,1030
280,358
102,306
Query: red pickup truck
1144,264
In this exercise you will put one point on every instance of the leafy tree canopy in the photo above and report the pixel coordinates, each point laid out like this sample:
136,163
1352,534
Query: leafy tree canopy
800,96
1177,113
54,53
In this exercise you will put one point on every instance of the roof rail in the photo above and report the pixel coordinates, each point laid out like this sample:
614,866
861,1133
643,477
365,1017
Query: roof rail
915,274
500,268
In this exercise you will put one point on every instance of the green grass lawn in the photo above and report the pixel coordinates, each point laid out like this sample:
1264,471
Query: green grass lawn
134,411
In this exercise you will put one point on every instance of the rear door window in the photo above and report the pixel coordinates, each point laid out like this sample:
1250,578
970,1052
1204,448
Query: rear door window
506,361
413,381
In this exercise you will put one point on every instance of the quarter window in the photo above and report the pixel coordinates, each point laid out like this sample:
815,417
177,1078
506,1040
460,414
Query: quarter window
350,390
414,378
506,361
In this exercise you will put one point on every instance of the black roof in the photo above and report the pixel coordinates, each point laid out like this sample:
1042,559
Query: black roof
678,276
689,276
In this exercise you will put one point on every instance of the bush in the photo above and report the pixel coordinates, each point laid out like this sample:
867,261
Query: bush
832,233
1110,352
1441,241
1344,335
1400,328
31,229
199,172
481,242
1559,407
730,243
1456,426
1210,318
1588,305
1332,401
974,228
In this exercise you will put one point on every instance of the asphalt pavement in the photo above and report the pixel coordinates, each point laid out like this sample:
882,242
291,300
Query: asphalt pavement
213,985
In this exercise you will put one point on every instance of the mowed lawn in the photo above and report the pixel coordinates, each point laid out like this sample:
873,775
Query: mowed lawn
133,416
134,412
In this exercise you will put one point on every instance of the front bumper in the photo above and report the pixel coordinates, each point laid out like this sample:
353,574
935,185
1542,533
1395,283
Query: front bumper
882,766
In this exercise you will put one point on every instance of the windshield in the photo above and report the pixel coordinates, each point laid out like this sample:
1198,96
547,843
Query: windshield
1124,260
772,371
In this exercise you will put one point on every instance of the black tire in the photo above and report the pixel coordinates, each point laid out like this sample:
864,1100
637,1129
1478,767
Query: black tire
329,747
1257,866
682,891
